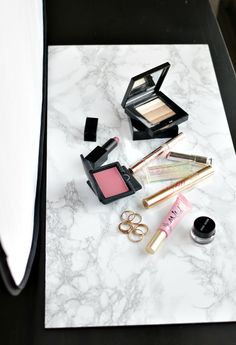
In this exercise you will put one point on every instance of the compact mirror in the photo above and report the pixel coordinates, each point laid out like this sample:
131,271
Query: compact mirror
146,82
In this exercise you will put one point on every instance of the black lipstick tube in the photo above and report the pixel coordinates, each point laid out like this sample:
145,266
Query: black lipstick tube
100,154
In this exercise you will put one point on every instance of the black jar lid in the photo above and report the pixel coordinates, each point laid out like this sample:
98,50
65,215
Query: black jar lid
204,227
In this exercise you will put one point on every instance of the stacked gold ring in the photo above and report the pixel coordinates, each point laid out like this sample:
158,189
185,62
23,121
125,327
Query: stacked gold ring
131,225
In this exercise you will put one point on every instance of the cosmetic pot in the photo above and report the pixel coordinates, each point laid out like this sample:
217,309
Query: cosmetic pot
203,230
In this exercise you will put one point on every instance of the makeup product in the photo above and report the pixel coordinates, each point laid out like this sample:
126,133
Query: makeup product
132,226
168,172
203,230
177,156
157,152
178,187
174,216
99,155
144,102
109,182
90,129
139,132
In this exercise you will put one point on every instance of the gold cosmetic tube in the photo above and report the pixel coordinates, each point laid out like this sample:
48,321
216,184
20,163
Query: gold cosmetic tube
157,152
155,241
177,156
177,187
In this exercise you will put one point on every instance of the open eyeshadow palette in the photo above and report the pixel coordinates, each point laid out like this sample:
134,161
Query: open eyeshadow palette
148,106
94,275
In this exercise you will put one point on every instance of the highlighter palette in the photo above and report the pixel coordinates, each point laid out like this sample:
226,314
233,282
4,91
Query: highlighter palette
145,103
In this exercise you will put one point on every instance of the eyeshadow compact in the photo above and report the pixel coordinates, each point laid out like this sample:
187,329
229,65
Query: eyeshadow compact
109,182
151,109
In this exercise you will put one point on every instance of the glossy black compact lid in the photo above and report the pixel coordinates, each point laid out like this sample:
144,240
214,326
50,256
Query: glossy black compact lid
204,227
145,83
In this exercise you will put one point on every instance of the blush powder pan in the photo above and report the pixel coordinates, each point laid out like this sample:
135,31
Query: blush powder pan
110,182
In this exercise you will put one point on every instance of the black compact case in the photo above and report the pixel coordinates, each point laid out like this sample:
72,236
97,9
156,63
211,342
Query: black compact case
143,91
140,133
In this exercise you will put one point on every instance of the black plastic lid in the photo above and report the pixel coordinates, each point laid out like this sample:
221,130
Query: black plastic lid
204,227
90,129
148,81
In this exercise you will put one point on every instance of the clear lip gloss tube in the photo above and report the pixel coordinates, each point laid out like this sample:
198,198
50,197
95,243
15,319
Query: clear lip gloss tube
168,172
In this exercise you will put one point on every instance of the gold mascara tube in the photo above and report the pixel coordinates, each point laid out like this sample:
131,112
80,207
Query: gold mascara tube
177,187
177,156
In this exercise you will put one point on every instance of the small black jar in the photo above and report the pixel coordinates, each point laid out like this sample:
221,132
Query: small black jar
203,230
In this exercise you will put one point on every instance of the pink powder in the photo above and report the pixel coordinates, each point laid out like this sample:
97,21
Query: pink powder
110,182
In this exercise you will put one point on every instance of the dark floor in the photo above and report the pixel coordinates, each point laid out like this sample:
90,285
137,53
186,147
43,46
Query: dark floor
225,11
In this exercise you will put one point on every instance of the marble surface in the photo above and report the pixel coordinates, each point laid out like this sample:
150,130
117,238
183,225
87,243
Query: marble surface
94,275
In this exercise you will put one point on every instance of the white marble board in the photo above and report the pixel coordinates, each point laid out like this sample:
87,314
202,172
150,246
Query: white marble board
94,275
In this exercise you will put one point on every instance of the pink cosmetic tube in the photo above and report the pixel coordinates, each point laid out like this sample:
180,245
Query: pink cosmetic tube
174,216
166,147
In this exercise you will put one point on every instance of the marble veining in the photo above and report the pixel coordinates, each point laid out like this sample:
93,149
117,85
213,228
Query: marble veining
94,275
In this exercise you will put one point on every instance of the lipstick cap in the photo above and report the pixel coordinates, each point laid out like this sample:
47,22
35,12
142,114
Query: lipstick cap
90,130
155,241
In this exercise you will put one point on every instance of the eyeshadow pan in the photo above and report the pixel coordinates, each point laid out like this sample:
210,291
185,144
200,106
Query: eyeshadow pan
155,111
159,114
155,103
111,182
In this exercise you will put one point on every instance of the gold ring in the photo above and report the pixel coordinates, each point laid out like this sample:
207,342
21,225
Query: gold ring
132,226
123,227
129,215
144,226
134,218
136,232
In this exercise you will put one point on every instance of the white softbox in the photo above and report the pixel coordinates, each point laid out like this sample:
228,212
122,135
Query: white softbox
22,125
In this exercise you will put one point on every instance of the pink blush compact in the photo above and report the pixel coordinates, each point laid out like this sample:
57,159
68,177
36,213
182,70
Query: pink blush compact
110,182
